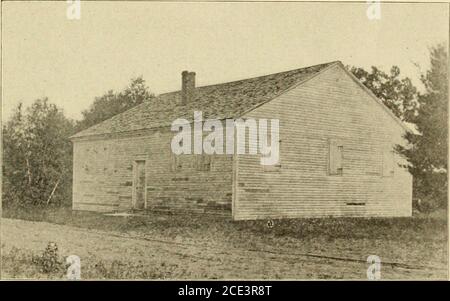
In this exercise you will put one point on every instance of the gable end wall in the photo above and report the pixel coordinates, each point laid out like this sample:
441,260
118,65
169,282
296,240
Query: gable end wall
329,106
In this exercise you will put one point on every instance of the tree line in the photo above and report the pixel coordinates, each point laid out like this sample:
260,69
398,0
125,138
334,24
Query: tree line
37,154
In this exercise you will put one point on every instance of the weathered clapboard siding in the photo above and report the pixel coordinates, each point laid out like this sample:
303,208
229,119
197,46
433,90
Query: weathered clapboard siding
330,105
103,175
316,106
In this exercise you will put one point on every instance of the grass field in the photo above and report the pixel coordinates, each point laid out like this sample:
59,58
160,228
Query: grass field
161,246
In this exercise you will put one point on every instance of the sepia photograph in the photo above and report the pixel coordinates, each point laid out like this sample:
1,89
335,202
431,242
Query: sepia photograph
236,140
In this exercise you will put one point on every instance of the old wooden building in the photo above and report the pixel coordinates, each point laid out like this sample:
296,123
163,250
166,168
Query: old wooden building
336,152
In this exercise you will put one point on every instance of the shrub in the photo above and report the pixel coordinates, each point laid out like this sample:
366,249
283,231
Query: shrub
49,262
37,157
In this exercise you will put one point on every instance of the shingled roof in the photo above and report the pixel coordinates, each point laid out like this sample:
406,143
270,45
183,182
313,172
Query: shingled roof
221,101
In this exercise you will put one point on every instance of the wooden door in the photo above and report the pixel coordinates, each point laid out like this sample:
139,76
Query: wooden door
139,185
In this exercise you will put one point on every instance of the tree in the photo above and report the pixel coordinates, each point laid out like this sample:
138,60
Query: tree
111,103
427,151
398,94
37,156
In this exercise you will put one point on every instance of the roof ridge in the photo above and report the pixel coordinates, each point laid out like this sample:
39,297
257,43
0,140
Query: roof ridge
256,77
216,100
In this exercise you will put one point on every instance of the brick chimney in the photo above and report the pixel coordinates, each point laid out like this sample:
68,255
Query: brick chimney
187,86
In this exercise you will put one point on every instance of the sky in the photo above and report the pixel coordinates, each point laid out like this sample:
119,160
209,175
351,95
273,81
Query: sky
44,54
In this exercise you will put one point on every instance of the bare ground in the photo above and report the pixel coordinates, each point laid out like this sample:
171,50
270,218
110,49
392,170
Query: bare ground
153,254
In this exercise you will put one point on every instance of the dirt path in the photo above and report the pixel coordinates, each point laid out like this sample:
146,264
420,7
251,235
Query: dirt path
194,259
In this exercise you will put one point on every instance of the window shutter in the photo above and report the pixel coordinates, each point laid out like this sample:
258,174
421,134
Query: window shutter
388,163
277,166
336,150
176,164
204,162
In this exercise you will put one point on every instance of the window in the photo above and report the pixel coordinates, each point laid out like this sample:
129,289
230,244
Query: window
277,166
204,162
336,151
176,162
388,163
272,152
